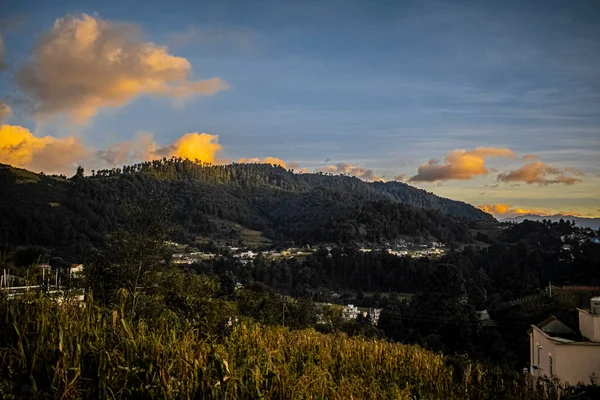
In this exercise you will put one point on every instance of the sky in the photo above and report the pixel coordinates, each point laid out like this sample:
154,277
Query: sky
492,103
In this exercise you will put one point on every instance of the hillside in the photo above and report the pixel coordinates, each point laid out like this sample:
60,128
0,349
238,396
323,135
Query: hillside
208,200
581,222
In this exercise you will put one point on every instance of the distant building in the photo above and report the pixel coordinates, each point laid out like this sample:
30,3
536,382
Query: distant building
76,269
558,351
350,312
374,315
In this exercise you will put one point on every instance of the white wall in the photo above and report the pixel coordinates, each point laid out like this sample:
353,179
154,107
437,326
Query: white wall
572,362
589,325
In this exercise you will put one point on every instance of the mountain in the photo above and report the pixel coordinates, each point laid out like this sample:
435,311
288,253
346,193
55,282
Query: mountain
593,223
223,200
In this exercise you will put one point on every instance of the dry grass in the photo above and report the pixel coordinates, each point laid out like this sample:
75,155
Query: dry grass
73,351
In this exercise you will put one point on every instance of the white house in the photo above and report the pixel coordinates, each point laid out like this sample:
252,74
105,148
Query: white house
76,269
375,313
350,312
557,351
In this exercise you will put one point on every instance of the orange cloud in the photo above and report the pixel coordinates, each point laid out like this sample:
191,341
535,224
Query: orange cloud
343,168
574,171
530,157
508,211
193,146
85,63
21,148
5,111
400,178
539,172
460,165
266,160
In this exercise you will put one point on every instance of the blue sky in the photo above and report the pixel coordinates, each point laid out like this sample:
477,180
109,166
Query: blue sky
388,85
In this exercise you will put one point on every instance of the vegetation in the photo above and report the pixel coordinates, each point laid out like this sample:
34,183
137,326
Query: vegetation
75,215
71,351
149,328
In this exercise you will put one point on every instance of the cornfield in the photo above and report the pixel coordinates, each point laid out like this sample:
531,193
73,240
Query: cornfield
81,350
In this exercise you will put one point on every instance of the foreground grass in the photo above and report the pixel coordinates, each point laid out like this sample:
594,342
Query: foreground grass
83,351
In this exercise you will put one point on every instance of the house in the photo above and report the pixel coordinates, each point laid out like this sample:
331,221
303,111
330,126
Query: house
350,312
76,269
558,351
374,315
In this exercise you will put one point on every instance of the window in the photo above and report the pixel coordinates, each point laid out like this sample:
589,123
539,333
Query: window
539,354
550,364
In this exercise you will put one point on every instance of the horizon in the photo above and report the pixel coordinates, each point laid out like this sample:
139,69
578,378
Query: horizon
492,104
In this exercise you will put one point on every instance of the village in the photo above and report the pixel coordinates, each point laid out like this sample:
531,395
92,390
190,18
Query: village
183,254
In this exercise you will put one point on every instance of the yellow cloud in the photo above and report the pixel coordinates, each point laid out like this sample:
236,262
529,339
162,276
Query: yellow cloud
194,146
85,63
508,211
20,148
460,165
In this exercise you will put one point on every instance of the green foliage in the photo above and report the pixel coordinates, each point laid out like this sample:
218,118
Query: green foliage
75,215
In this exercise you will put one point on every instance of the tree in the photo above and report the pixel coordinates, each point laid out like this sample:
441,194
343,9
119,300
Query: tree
132,255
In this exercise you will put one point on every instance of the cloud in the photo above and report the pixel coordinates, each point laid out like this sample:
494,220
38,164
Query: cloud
5,111
266,160
400,178
141,148
20,148
460,165
343,168
574,171
539,172
85,63
193,146
530,157
508,211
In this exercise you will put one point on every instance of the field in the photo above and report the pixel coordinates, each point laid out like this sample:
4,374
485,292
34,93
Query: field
85,351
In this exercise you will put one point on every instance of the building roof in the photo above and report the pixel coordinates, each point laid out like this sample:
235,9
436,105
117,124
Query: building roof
554,327
557,331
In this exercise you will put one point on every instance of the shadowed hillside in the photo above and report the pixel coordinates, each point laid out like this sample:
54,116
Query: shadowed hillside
76,213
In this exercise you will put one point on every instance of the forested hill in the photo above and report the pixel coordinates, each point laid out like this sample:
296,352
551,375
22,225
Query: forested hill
78,212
